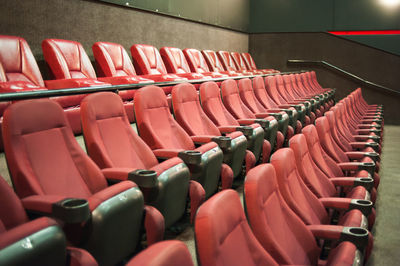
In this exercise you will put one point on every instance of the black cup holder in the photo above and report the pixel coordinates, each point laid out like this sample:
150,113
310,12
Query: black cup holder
365,206
262,122
223,142
358,231
144,178
71,210
278,116
366,182
190,157
368,164
356,235
246,130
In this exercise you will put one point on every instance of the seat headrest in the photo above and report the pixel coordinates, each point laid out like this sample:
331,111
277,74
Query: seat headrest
107,105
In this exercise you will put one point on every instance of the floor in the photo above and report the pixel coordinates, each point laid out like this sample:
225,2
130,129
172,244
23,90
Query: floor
386,230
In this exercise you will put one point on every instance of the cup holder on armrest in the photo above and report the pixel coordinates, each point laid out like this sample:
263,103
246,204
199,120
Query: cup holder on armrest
144,178
367,166
366,182
262,122
223,142
356,235
365,206
71,210
246,130
190,157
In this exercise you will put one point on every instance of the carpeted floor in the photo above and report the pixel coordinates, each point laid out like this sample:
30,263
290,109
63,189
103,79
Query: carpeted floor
387,226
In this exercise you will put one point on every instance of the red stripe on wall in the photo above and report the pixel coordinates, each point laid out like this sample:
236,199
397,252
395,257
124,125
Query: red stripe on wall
366,32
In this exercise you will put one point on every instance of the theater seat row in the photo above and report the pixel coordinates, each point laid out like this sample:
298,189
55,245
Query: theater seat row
302,195
23,122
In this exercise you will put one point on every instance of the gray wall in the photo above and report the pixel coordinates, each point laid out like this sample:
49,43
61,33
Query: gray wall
91,21
274,49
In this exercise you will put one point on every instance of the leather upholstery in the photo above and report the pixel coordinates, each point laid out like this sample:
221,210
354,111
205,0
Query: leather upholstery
277,227
61,169
223,236
112,143
191,117
159,130
214,63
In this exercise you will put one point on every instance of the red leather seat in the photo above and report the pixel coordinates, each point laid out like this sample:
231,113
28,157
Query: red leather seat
233,103
171,252
223,236
241,65
114,65
249,99
167,139
191,117
37,242
114,146
56,173
251,65
18,70
339,156
176,63
211,102
310,208
324,162
280,231
198,64
229,64
323,185
265,101
147,61
215,65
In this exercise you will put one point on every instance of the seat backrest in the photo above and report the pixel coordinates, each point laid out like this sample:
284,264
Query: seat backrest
196,60
313,177
17,62
155,123
12,212
42,154
188,111
272,90
261,93
239,62
296,194
110,139
327,143
174,60
275,225
287,81
334,116
67,59
232,101
319,156
247,95
223,236
112,60
147,60
210,98
214,64
281,89
227,61
249,61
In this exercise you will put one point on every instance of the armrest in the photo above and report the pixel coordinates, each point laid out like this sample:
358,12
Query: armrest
366,137
262,122
286,110
356,235
366,182
166,153
246,130
278,116
357,155
357,166
362,145
154,225
367,126
365,206
201,139
366,131
68,210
